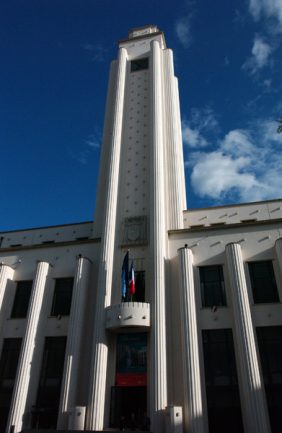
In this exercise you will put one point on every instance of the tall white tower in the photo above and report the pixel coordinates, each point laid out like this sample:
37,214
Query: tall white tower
141,196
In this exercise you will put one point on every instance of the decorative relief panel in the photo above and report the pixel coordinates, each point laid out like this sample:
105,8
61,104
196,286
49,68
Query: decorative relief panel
135,230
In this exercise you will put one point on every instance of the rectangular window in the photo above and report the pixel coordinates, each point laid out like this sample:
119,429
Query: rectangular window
263,282
139,295
270,349
8,369
62,297
139,64
212,286
21,301
223,401
48,397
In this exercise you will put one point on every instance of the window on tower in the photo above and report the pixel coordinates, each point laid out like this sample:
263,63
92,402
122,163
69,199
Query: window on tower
263,282
212,286
139,64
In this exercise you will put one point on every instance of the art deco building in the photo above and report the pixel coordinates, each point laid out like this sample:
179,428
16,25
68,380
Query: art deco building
198,347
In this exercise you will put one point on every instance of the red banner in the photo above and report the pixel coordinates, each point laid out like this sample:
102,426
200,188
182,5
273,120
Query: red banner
131,379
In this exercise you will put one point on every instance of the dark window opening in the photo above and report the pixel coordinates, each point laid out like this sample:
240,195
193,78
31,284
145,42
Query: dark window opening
139,295
212,286
21,301
62,297
223,400
8,369
139,64
270,349
128,408
45,412
263,282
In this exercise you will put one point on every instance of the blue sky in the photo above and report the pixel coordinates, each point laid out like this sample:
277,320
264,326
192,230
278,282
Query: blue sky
55,57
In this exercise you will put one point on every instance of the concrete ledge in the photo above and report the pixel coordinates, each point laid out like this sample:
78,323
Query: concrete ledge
128,314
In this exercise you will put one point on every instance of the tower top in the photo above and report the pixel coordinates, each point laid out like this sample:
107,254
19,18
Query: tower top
146,32
142,31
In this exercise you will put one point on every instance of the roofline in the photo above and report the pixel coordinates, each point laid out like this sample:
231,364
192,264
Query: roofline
136,38
46,227
53,245
233,205
224,226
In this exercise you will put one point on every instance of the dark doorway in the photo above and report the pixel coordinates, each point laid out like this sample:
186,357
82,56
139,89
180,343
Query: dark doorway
128,407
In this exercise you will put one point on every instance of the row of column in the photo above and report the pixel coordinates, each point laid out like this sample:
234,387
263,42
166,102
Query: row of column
254,408
34,331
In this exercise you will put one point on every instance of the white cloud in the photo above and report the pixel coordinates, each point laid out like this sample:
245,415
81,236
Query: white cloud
261,51
92,142
216,174
237,142
192,137
204,119
98,51
267,8
245,166
269,132
201,121
183,30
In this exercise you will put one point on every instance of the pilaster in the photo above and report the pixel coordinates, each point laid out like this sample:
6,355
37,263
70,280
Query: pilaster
193,399
278,250
179,151
6,273
74,342
173,147
255,414
158,367
95,415
28,345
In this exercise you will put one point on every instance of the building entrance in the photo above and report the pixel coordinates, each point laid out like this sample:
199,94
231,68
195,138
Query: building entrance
128,407
129,395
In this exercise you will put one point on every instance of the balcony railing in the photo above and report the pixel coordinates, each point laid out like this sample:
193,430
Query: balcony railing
128,314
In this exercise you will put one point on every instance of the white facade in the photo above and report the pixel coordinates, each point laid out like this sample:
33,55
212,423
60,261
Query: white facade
197,335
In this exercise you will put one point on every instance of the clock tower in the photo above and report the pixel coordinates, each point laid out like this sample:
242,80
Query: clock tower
141,196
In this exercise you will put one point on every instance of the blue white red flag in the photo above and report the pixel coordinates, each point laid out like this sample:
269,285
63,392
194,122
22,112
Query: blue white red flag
131,281
124,276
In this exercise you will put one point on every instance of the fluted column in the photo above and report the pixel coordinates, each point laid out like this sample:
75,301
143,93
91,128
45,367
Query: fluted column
278,250
180,156
173,147
95,415
6,273
255,415
74,343
193,400
158,368
28,345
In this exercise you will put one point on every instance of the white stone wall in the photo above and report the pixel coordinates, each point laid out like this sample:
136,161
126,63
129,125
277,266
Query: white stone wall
62,262
208,247
233,214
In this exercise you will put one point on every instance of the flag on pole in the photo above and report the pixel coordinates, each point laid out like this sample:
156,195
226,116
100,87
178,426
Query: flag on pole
132,281
124,277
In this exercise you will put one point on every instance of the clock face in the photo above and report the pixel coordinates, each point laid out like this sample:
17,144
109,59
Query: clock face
133,232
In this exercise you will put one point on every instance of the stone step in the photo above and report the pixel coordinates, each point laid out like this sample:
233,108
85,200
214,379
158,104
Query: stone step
79,431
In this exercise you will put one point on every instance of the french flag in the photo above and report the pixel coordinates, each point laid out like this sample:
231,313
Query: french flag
131,281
